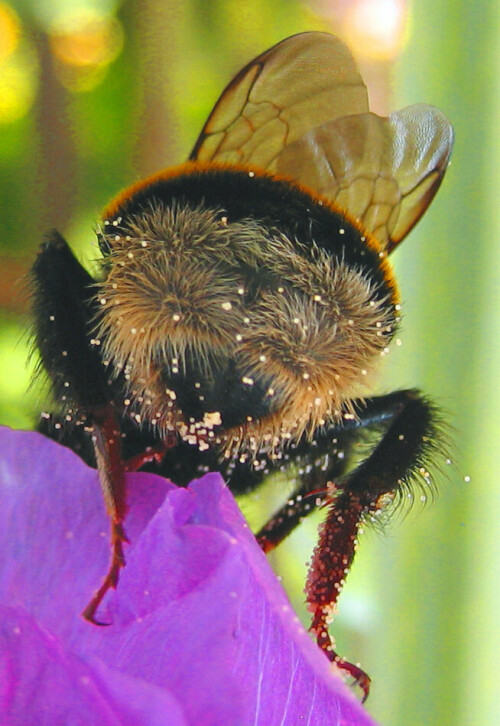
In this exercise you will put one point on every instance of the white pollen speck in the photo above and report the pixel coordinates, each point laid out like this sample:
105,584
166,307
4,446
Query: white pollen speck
144,243
399,341
251,174
466,479
262,358
247,381
305,376
226,306
51,318
212,418
281,289
133,331
176,317
241,291
341,231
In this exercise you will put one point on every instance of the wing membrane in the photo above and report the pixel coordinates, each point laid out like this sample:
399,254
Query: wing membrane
301,110
302,82
384,171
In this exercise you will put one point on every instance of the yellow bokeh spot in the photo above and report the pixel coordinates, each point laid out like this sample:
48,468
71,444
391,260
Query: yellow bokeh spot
86,38
18,83
10,31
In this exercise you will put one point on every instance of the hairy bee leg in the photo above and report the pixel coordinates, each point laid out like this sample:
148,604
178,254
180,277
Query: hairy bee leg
330,564
107,445
410,426
365,491
64,306
284,521
312,493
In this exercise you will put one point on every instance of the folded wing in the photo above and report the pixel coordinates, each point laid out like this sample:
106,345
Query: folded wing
300,110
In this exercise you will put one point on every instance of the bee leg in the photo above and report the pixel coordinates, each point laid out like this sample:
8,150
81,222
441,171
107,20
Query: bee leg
64,308
364,492
408,422
106,438
151,453
284,521
330,564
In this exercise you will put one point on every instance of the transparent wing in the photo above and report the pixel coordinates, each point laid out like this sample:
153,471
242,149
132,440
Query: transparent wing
302,82
301,110
384,171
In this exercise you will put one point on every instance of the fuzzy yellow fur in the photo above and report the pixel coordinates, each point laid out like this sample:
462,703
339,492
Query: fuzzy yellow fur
176,285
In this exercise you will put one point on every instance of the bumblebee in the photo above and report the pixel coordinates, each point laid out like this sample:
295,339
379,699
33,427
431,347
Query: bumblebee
243,300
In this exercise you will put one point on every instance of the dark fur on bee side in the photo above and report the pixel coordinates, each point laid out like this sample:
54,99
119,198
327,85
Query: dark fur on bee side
244,299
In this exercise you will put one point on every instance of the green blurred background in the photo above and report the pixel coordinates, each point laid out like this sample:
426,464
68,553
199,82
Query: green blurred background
95,94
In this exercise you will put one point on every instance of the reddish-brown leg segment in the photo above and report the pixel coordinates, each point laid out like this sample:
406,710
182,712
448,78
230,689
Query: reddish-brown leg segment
152,453
108,451
107,446
409,438
330,564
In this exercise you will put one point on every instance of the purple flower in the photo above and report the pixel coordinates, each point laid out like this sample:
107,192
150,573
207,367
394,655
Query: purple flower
200,630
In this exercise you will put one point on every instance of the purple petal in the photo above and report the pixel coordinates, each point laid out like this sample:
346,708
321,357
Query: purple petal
42,683
198,614
54,536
